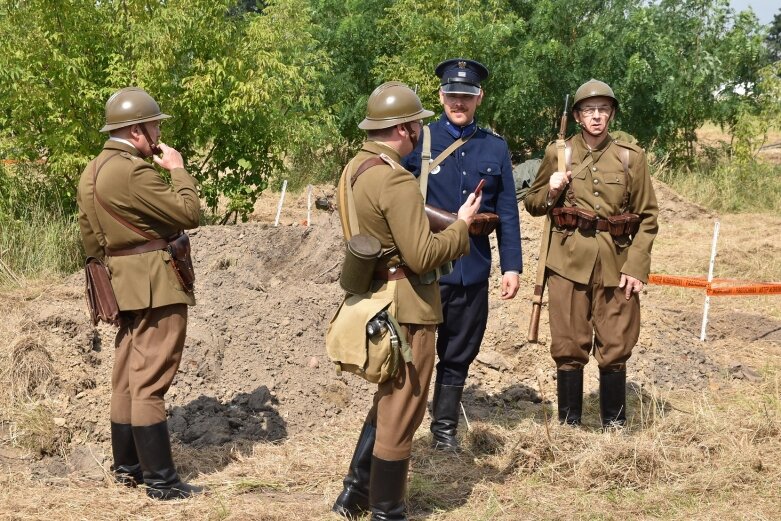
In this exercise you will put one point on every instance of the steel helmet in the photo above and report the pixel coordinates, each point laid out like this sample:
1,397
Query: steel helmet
593,88
129,106
392,103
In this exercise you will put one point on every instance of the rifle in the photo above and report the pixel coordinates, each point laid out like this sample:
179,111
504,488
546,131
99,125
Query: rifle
539,287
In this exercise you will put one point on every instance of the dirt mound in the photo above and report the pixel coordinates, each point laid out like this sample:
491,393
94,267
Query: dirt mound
254,366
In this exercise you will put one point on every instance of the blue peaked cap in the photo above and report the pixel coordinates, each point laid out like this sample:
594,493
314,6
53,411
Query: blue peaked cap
461,76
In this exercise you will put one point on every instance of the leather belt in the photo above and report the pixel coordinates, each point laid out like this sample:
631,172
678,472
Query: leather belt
603,225
153,245
400,272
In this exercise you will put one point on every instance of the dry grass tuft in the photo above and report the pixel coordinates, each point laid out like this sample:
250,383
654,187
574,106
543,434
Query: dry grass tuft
28,369
33,428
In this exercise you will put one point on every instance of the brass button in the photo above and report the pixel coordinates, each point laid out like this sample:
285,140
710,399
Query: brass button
596,181
596,193
464,192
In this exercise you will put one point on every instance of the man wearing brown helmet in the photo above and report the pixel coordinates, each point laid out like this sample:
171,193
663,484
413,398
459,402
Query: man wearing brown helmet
127,211
389,206
604,214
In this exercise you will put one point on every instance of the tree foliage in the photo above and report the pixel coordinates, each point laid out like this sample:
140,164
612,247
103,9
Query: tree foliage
268,89
243,87
773,40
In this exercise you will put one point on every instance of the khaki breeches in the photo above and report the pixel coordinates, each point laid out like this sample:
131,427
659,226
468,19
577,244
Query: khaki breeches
148,350
400,403
591,317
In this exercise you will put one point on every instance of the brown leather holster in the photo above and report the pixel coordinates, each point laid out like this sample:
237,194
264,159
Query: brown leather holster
182,262
482,223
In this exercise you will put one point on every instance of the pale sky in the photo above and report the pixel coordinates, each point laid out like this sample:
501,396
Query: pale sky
764,9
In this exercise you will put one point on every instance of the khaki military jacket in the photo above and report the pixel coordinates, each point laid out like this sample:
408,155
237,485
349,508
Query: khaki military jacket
133,189
598,182
389,206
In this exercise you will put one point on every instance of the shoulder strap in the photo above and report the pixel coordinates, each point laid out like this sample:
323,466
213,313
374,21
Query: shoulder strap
624,153
363,167
112,213
426,165
349,216
425,162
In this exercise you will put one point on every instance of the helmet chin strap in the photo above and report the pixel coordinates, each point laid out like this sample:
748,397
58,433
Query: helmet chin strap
413,136
156,150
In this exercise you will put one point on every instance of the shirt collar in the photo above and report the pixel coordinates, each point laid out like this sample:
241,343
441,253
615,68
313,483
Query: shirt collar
121,140
459,132
378,147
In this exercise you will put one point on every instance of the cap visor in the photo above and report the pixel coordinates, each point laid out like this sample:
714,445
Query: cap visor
460,88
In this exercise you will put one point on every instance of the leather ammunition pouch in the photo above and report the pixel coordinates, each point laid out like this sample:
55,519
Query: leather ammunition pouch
101,301
572,217
182,262
360,261
623,224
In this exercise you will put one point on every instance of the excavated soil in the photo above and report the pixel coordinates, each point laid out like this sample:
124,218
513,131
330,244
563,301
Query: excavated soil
254,366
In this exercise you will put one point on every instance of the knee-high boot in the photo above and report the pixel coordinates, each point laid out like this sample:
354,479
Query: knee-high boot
612,397
126,468
354,499
445,411
160,477
387,489
569,385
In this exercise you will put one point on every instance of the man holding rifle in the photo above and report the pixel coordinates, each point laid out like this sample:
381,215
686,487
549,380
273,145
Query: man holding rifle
603,213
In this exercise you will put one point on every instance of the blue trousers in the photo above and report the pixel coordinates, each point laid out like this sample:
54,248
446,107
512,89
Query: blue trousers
465,312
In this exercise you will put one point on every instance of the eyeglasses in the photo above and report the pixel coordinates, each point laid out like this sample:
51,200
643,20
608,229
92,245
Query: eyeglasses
589,110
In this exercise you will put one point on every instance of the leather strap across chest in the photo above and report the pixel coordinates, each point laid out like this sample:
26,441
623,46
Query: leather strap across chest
426,165
152,243
623,154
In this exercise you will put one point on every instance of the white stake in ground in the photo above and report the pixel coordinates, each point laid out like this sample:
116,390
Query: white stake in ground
710,278
308,205
281,199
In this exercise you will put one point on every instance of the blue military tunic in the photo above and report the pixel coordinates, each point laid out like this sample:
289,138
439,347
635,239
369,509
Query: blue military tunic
484,156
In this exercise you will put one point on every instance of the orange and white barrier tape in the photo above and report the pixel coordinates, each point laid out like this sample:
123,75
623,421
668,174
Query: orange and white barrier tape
717,287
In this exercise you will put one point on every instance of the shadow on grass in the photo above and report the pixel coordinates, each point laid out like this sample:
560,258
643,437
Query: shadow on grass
507,437
209,431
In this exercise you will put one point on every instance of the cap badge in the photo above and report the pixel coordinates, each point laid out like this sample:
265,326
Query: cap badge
462,65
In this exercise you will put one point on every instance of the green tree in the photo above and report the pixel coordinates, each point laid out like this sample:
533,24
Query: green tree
242,87
773,40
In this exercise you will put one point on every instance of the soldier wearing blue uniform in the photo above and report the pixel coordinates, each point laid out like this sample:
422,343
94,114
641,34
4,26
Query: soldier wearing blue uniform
480,155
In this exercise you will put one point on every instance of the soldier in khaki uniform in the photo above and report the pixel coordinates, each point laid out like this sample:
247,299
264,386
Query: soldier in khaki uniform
121,196
595,275
389,207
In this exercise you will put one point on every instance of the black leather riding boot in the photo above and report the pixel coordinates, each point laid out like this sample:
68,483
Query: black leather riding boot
387,489
569,385
612,398
445,411
126,468
154,451
354,499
